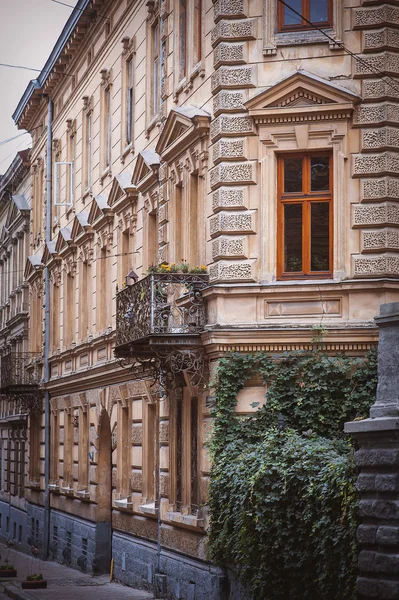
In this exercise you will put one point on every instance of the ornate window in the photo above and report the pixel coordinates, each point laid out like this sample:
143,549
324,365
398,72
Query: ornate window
87,122
106,128
128,54
318,12
184,454
304,216
283,27
156,77
188,42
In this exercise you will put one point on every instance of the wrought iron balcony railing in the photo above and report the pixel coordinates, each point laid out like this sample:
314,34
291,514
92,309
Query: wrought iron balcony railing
17,373
162,308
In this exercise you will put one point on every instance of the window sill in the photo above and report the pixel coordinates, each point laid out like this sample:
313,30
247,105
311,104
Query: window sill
149,509
180,519
155,121
88,193
129,149
310,36
106,173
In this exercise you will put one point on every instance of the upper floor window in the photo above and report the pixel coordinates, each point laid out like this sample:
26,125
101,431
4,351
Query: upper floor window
156,60
182,39
304,216
318,12
129,101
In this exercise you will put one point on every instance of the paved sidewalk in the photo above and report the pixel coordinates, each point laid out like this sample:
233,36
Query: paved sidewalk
63,583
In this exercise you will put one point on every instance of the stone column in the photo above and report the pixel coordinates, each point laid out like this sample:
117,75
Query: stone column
378,461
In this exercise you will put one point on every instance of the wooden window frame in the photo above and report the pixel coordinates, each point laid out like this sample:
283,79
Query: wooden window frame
306,198
305,11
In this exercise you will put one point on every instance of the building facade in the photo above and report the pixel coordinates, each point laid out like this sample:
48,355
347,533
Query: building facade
251,138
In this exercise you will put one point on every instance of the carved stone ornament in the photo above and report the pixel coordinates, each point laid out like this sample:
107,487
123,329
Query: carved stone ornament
55,275
128,47
86,254
88,103
106,77
56,146
105,239
71,127
70,267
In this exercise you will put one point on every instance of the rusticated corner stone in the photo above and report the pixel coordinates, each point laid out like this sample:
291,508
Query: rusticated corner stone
366,482
366,561
367,588
380,457
366,534
388,535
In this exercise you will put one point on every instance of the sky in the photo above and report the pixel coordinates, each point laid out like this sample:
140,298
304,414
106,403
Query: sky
28,32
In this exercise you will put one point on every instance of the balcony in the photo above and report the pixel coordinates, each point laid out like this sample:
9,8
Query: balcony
18,374
161,310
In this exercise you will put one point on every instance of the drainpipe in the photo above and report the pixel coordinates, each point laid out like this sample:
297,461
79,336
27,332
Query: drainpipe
49,171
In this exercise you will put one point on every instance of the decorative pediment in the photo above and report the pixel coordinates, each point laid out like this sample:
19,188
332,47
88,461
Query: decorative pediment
183,126
64,242
33,267
122,191
49,253
4,235
100,212
19,207
81,227
302,97
145,174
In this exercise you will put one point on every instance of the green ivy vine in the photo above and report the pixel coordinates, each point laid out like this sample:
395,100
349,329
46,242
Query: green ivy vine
283,500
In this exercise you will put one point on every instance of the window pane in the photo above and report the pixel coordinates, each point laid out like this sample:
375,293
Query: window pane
293,175
319,11
319,173
290,18
320,236
292,238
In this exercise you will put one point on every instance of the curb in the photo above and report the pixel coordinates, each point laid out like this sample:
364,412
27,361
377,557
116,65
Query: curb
17,594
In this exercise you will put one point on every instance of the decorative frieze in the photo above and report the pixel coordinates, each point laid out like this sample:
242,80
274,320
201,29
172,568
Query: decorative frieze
386,265
233,77
383,39
373,17
229,222
231,271
163,214
163,254
380,139
229,198
380,240
375,215
379,89
384,188
225,174
229,9
228,54
234,125
226,101
375,164
229,149
385,62
371,115
162,234
226,31
229,247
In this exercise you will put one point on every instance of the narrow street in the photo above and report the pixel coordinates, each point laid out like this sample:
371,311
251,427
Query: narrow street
63,583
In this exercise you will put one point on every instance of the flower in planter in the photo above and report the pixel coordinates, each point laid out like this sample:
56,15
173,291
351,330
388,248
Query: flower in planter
35,577
6,567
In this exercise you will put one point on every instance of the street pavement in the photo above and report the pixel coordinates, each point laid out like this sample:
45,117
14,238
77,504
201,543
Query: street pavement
63,583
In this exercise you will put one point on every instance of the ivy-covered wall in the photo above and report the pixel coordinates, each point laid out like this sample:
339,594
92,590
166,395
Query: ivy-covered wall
283,501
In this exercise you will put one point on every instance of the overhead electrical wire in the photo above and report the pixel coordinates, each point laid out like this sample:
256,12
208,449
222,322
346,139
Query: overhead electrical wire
82,10
393,82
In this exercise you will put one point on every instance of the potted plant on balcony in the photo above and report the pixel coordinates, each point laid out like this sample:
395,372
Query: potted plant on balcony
34,581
